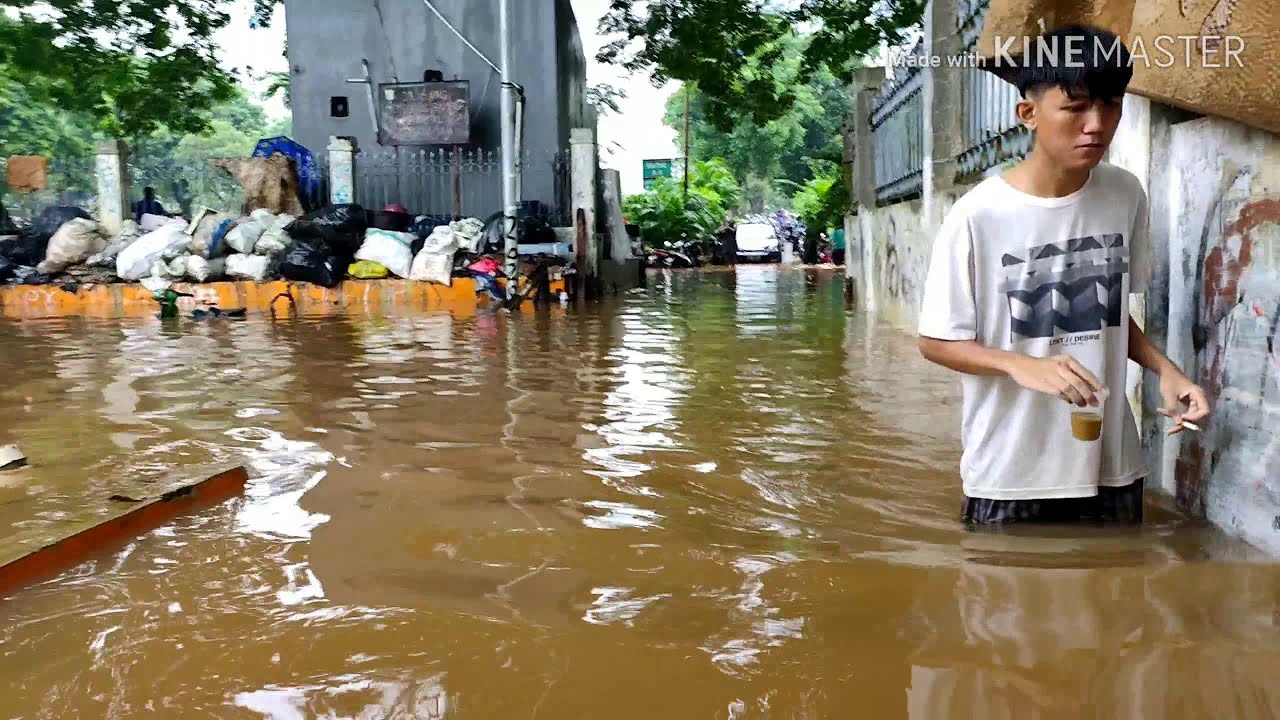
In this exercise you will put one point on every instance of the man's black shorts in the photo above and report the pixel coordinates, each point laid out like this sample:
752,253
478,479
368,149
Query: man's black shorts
1110,505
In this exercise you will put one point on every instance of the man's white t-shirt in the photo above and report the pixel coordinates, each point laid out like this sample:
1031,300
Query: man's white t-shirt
1042,277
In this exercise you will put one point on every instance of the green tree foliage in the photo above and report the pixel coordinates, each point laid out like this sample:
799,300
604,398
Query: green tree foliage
729,47
130,66
821,201
665,216
177,164
29,127
781,148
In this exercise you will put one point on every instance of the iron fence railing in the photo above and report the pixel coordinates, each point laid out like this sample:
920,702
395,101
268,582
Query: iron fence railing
991,133
897,121
68,181
462,183
430,182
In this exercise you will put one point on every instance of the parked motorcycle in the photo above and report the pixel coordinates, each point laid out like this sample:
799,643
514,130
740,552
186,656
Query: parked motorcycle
659,258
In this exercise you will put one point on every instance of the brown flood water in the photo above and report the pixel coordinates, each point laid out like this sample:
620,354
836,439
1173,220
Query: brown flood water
723,496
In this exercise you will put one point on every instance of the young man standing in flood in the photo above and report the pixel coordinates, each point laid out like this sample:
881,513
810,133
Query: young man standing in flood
1027,297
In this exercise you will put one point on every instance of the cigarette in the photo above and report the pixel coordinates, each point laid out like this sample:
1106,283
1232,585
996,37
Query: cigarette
1190,425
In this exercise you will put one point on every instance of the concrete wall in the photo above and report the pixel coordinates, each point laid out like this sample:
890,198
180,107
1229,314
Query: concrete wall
1214,305
890,247
401,39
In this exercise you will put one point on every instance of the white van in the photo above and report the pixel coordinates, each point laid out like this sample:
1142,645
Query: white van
758,241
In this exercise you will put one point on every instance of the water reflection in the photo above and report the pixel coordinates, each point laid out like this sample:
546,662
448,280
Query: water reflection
722,496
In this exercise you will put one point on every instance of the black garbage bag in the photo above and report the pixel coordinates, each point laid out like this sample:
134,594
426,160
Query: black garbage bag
6,223
33,242
314,262
24,275
340,227
6,269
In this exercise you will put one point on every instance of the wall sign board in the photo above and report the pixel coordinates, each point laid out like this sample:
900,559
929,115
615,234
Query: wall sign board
426,113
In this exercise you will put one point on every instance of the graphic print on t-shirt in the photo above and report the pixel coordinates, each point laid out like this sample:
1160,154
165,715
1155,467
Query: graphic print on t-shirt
1066,288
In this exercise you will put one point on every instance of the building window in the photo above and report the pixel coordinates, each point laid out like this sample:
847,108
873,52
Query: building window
339,107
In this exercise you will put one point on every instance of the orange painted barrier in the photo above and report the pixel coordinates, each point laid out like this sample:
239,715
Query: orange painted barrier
134,300
20,566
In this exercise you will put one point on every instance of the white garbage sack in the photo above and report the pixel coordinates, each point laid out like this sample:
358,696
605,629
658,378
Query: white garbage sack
174,252
275,241
248,267
440,240
74,242
151,223
470,234
436,267
155,283
177,267
202,270
135,261
206,241
244,236
392,250
129,232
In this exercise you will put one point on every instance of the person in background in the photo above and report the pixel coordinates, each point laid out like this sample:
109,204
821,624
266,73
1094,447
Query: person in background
148,205
837,246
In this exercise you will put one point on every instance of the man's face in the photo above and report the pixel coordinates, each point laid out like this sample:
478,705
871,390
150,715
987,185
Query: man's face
1073,130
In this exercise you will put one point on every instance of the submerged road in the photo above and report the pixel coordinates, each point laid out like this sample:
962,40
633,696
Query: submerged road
722,496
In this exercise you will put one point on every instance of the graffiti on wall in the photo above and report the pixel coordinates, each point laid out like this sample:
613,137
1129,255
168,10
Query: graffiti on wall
902,264
1235,333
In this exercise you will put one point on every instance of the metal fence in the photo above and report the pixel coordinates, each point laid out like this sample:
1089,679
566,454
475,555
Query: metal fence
186,188
430,182
464,183
990,132
897,119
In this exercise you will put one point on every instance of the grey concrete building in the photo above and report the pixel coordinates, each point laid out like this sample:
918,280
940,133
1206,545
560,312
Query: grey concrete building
401,39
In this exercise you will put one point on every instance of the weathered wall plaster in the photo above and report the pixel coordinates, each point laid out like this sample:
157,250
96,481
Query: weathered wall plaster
894,243
1218,297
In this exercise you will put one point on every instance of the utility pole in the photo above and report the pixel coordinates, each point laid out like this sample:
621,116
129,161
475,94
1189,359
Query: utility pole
509,201
510,177
688,90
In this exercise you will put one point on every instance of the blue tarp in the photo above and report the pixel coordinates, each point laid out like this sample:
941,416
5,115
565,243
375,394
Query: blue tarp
303,160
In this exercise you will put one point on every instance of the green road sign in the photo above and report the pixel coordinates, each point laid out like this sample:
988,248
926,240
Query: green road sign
654,169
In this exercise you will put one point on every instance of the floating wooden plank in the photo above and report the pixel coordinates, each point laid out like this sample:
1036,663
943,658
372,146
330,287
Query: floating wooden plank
23,563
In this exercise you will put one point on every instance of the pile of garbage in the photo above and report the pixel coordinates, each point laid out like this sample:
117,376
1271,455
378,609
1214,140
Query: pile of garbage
324,247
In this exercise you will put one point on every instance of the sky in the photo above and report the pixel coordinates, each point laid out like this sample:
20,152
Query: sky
637,133
626,138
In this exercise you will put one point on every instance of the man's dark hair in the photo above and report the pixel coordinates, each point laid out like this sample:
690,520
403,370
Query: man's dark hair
148,191
1078,59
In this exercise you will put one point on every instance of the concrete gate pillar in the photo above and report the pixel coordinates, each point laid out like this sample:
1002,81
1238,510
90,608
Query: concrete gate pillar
582,154
942,107
112,167
342,170
866,84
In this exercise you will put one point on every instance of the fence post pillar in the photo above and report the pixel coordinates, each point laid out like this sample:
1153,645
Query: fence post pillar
582,154
112,167
862,189
941,100
342,170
